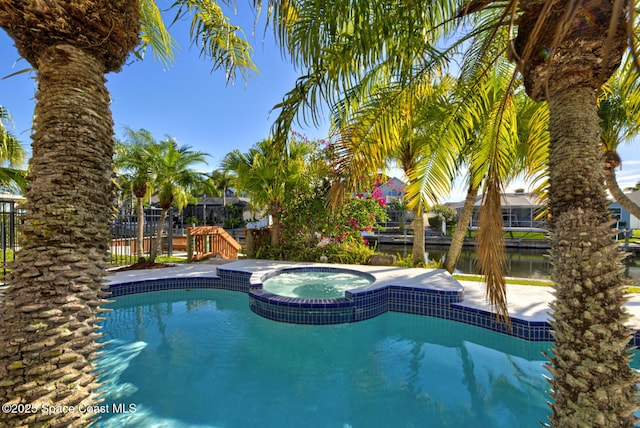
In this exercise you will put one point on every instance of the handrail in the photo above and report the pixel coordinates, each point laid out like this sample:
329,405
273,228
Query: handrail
210,241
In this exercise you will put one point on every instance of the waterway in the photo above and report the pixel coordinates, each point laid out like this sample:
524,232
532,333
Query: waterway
521,263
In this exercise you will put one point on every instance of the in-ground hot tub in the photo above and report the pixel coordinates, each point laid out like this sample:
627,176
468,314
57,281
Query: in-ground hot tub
310,295
358,301
314,283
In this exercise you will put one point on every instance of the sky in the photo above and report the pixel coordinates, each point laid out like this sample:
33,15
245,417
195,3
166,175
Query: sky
185,101
189,102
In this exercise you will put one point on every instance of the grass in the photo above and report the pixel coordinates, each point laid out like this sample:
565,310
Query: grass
171,259
122,260
525,281
517,235
514,281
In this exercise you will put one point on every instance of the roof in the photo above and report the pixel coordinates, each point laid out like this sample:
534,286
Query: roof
633,196
513,200
230,200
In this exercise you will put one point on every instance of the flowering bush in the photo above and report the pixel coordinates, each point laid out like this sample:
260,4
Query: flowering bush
310,228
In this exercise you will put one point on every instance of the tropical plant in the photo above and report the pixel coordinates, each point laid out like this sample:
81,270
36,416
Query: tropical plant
221,181
565,51
405,124
489,153
133,161
174,182
51,308
269,176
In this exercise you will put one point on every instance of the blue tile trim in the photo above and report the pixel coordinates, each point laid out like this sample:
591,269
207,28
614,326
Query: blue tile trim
160,284
357,305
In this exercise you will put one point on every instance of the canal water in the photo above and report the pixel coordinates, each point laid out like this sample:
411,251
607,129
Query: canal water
521,263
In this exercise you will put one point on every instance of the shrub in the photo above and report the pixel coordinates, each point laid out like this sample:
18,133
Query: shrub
407,262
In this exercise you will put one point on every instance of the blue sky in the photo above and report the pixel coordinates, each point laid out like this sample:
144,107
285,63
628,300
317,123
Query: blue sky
186,101
190,103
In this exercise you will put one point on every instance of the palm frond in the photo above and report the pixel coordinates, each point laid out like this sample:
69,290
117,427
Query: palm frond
491,248
154,34
218,39
13,179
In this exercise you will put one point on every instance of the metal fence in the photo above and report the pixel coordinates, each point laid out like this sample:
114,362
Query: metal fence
124,229
10,219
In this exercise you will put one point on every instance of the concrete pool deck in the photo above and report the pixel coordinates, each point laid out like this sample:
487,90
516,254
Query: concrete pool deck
528,303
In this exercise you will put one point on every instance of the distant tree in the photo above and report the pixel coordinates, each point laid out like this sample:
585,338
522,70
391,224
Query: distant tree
174,181
134,158
268,176
221,181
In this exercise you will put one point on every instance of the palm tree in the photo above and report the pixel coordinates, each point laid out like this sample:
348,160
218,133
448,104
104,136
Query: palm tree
134,160
174,181
68,202
617,112
222,181
51,307
565,51
523,149
268,176
586,262
419,151
401,123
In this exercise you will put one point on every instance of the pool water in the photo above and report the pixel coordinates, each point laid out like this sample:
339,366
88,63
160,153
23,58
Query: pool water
201,358
314,284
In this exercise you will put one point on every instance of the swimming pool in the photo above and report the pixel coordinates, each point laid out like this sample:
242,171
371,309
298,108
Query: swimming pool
321,284
201,358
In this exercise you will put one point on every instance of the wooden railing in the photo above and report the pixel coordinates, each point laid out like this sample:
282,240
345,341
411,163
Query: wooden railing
210,241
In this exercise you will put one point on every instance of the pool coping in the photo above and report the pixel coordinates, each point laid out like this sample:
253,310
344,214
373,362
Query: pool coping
431,292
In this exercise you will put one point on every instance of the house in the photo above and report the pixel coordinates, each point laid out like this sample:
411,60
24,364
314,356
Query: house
520,211
624,219
393,190
220,210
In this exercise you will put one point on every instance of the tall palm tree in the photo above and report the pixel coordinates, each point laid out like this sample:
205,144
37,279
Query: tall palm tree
268,176
50,309
586,261
174,181
134,161
49,326
405,125
565,50
523,149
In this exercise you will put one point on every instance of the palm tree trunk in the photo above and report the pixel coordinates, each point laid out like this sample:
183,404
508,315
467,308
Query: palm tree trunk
140,230
457,240
592,383
618,194
418,236
157,248
49,311
275,230
275,211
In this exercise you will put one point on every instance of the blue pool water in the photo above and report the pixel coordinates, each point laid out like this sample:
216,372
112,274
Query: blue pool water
201,358
315,284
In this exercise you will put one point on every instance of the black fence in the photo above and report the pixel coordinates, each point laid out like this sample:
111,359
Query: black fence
10,219
124,230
